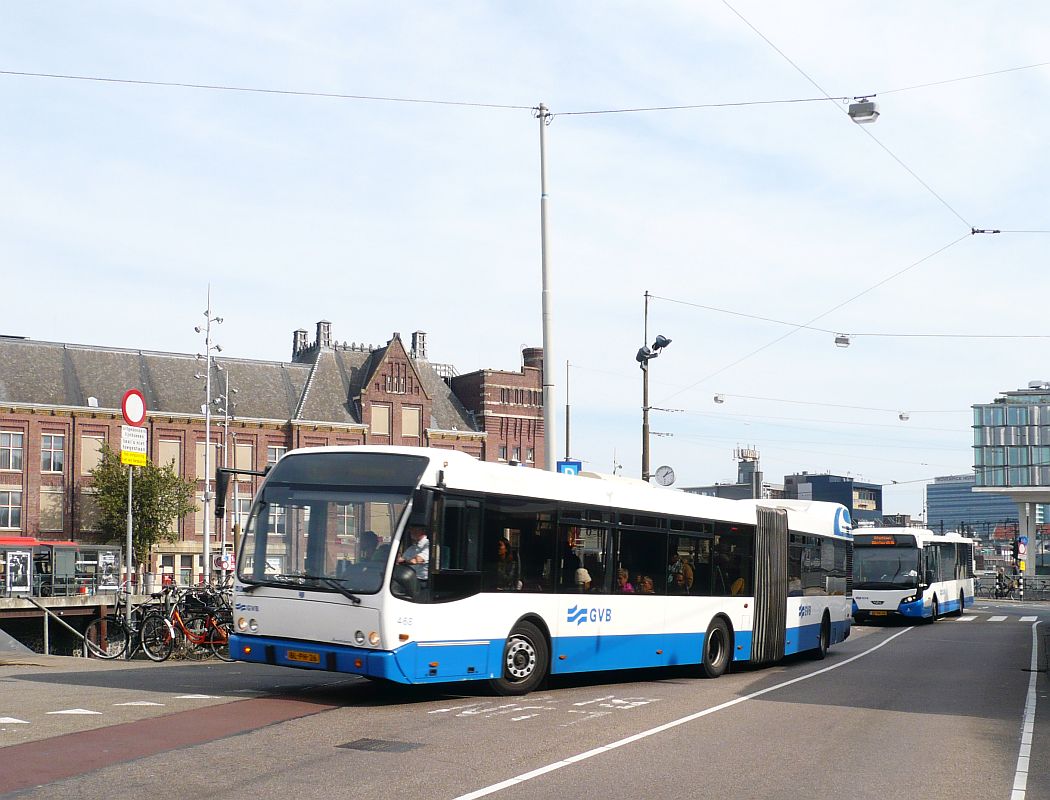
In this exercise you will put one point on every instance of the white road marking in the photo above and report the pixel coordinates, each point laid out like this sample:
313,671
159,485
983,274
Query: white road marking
74,711
528,776
596,700
966,619
1029,619
197,697
139,703
12,721
1027,725
996,619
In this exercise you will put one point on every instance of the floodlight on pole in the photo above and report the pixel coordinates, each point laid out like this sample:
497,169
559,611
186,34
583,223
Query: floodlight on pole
208,348
644,355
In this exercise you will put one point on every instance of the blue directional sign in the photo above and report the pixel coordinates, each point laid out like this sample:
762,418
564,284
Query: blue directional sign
570,467
1022,539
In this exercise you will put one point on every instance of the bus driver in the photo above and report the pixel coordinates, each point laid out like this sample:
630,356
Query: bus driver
417,554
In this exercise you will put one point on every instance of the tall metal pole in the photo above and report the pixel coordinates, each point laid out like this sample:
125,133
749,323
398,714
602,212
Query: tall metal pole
207,452
549,438
128,557
566,410
645,394
226,448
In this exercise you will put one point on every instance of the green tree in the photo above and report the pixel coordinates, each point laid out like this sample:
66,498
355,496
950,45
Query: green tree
159,497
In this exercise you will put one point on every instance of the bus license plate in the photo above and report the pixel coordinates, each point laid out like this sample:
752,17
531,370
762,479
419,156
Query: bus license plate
303,657
880,613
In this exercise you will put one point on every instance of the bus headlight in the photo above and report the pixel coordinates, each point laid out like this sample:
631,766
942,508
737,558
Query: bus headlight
373,638
359,637
253,626
242,624
910,599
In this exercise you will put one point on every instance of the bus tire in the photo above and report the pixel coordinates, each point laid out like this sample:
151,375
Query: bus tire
717,652
962,604
824,639
936,611
526,659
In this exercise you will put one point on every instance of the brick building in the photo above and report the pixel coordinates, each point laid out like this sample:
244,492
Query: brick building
60,402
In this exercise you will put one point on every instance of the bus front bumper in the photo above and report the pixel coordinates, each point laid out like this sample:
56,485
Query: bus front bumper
317,655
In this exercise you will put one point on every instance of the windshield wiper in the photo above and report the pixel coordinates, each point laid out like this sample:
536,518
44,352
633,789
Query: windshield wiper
333,583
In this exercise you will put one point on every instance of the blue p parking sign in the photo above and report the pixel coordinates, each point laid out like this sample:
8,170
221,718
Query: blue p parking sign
570,467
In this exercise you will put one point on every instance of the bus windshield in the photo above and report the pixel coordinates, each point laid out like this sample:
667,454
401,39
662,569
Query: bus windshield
885,567
328,529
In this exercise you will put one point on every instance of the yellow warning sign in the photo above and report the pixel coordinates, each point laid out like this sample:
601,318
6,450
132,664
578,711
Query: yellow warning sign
135,459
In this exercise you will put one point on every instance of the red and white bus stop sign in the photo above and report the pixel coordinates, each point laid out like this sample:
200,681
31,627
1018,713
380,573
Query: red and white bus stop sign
133,407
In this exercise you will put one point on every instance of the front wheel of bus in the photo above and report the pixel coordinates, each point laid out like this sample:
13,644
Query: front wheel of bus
936,611
962,605
525,661
716,650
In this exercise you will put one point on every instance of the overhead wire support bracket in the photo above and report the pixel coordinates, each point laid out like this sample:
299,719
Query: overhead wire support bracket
975,231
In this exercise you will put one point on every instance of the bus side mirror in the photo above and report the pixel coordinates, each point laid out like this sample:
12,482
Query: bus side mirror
403,582
422,507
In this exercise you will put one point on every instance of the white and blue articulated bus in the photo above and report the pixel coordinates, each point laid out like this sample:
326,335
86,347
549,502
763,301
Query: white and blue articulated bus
911,573
420,565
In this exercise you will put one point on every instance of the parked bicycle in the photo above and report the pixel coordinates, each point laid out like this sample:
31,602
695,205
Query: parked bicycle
197,626
111,636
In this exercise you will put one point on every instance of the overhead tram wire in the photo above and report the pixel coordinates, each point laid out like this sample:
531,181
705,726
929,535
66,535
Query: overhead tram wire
820,316
820,88
851,333
258,90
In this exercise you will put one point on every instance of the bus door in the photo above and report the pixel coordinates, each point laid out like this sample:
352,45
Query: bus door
770,582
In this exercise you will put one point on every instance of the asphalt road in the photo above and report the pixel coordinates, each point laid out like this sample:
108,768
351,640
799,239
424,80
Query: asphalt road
933,711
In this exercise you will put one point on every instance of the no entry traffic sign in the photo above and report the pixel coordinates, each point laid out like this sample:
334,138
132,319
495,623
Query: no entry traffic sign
133,407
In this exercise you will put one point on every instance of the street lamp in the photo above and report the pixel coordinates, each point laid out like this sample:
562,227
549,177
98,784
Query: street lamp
644,355
208,348
224,405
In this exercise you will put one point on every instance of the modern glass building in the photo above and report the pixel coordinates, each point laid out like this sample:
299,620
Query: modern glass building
1011,438
952,505
1011,456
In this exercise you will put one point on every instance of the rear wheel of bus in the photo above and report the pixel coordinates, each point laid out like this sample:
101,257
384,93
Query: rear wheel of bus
716,650
526,658
824,639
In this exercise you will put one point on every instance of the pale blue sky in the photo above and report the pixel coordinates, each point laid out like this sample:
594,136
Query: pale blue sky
377,216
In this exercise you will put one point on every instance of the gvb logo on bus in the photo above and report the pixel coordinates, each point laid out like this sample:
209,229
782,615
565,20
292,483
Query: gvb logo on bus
581,615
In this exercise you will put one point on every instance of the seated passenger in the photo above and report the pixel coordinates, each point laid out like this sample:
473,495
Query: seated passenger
506,567
645,585
583,580
678,584
623,586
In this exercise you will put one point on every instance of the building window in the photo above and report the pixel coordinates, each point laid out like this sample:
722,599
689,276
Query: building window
10,509
52,452
530,455
90,453
169,451
380,420
11,450
243,456
274,454
90,513
213,458
52,506
515,454
397,379
411,421
278,520
345,521
503,452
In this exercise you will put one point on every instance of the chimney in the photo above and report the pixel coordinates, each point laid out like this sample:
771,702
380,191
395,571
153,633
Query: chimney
419,345
324,334
298,342
532,357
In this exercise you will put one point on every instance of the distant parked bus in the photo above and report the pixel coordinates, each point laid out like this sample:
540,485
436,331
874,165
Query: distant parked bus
911,573
525,572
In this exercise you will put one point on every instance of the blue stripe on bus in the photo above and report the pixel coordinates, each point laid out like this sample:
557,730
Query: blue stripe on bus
436,663
918,610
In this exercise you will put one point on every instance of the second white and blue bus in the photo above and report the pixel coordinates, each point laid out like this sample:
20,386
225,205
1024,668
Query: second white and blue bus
911,573
528,572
